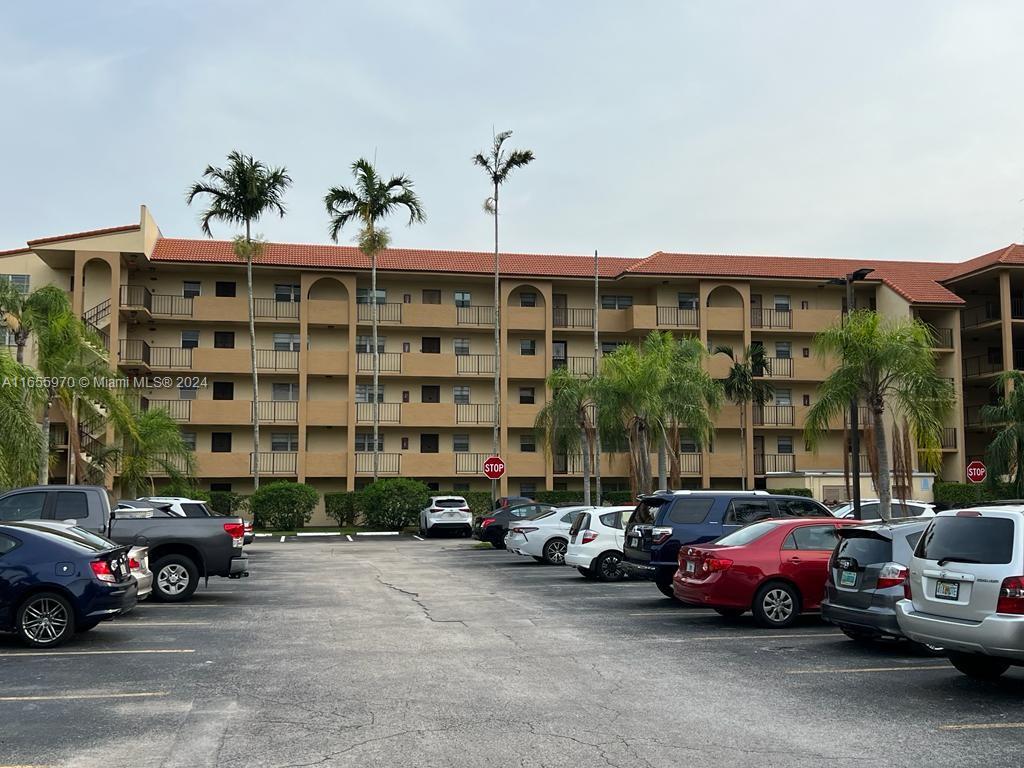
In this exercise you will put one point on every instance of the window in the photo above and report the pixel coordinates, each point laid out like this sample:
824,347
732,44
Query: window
23,506
460,443
688,300
224,288
527,299
781,303
616,302
191,288
189,339
287,342
187,393
807,399
528,347
744,511
783,350
461,346
286,391
527,443
816,538
430,442
71,505
430,345
746,535
526,396
284,441
690,510
806,351
287,292
688,445
784,443
783,397
463,298
224,339
363,295
607,347
431,296
21,282
407,298
460,394
430,393
800,508
220,442
365,343
6,544
986,540
527,489
189,439
364,441
364,393
223,390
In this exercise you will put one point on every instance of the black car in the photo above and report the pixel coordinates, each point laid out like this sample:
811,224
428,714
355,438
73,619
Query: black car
493,526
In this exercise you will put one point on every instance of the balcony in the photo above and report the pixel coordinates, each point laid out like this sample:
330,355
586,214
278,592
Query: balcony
390,312
580,365
277,359
942,338
981,314
327,312
572,317
327,362
776,368
771,318
326,464
982,365
470,463
277,411
171,358
474,315
136,299
723,318
134,352
612,464
275,463
387,413
524,318
474,413
387,463
474,364
690,464
774,416
326,413
232,464
522,414
678,317
766,463
387,362
526,367
179,410
272,309
166,305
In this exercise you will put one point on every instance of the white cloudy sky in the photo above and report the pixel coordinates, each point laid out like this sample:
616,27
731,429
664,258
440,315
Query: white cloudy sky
870,129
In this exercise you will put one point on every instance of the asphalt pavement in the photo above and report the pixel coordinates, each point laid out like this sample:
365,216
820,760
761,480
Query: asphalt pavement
433,653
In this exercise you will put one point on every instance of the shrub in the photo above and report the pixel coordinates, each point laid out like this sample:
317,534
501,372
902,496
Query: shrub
184,488
394,504
792,492
228,502
283,505
954,494
343,507
480,502
561,497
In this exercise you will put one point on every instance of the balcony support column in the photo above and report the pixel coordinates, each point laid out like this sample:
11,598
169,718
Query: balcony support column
1006,319
958,416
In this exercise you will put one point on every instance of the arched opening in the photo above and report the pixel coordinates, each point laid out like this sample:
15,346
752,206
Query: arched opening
526,295
97,303
328,289
725,296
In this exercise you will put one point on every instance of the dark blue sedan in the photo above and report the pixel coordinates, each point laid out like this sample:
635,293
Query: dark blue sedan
58,580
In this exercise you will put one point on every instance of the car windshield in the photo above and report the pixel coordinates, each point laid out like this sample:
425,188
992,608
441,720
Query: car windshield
746,534
72,535
540,515
968,540
448,503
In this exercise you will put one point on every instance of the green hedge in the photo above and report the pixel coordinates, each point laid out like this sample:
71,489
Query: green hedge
480,502
792,492
344,507
283,506
228,502
971,493
395,503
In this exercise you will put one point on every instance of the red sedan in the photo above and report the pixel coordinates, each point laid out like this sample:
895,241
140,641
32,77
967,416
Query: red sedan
777,568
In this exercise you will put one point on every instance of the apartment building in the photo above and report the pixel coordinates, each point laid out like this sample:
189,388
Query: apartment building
175,310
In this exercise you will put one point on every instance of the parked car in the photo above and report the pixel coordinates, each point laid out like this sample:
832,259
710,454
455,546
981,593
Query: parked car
966,589
870,509
544,536
446,513
55,582
182,549
493,526
595,542
504,502
775,568
866,577
667,520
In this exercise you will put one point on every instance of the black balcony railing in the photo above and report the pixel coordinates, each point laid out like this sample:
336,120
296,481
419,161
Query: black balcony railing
387,413
277,411
774,416
774,462
567,464
136,297
97,314
474,363
173,306
391,312
690,463
572,317
275,462
389,362
776,368
135,352
277,359
474,315
470,463
942,338
272,309
58,435
171,357
474,413
771,318
678,317
578,364
982,365
179,410
387,463
980,314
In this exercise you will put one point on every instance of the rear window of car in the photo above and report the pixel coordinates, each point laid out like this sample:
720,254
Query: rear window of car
813,538
450,503
646,511
746,535
745,511
195,510
690,510
801,508
610,519
986,540
581,522
540,514
866,550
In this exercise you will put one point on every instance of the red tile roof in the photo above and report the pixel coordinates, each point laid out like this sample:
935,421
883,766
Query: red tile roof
88,233
393,259
1010,254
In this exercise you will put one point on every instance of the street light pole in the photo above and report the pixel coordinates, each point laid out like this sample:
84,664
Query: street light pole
854,417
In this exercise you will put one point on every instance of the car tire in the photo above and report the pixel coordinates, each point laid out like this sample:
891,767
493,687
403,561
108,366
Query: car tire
554,551
45,620
175,579
776,605
607,567
730,613
666,590
587,573
538,559
498,543
977,666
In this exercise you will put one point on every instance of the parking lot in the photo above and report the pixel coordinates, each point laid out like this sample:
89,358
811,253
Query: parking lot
435,653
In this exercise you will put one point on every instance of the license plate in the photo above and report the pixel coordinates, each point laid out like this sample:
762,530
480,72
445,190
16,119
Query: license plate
947,590
451,514
634,540
848,579
690,566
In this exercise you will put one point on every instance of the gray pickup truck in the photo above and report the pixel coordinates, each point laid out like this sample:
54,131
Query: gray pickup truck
182,550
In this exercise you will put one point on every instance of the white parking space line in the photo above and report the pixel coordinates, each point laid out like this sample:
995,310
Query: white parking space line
317,533
144,623
376,533
151,606
282,539
349,537
979,726
83,696
51,654
860,670
737,636
418,538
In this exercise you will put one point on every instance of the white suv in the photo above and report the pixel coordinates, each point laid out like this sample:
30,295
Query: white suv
966,589
446,513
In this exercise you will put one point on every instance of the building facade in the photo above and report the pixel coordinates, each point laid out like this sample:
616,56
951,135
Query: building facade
175,310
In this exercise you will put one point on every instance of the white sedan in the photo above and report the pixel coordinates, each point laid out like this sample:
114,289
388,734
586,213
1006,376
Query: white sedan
545,536
870,509
595,542
446,513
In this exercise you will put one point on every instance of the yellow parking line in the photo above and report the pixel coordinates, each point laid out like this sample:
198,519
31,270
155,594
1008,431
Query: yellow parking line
92,653
834,670
74,696
979,726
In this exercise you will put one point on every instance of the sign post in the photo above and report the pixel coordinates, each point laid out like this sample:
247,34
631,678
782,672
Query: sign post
494,467
976,472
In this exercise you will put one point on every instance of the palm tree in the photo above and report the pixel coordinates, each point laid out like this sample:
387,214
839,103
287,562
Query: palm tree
691,396
742,386
566,422
498,164
22,440
371,200
13,310
153,445
1005,453
241,193
887,363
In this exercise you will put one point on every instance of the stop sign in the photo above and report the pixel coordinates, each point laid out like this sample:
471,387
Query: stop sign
976,472
494,467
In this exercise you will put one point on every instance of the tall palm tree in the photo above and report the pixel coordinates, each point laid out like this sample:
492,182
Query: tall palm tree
566,422
887,363
153,445
691,397
1005,453
370,201
742,385
498,164
22,440
14,308
239,194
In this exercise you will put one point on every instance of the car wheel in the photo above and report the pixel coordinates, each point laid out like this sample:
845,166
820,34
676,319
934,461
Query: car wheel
554,551
730,613
45,620
498,543
539,559
776,605
607,567
587,573
175,578
87,626
666,589
977,666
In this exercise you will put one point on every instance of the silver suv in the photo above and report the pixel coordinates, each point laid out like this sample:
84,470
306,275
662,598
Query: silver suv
966,589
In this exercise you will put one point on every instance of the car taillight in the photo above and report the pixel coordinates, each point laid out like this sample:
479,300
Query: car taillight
892,575
434,510
237,533
524,529
101,570
907,594
1011,596
660,534
589,536
486,521
134,564
713,564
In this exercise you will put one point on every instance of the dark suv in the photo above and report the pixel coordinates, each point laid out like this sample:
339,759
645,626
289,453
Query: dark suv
666,520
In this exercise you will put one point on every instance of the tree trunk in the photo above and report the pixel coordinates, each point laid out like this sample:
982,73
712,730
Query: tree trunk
376,357
255,370
662,464
645,458
743,445
586,465
44,456
675,471
884,479
497,345
20,339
